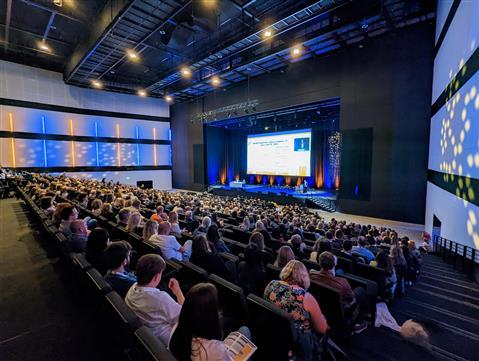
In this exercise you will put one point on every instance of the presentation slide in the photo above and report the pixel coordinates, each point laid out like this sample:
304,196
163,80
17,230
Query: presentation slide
282,153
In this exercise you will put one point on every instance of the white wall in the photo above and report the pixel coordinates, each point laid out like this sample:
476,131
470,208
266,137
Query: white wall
21,82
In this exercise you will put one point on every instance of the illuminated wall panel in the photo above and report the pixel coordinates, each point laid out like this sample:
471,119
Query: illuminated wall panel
28,153
453,177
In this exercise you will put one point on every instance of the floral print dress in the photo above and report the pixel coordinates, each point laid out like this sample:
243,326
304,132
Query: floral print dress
289,299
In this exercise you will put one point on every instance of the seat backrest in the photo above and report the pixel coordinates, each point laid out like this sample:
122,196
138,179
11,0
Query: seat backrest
232,302
121,313
272,272
80,263
330,302
311,265
190,274
272,330
375,274
149,347
97,282
344,264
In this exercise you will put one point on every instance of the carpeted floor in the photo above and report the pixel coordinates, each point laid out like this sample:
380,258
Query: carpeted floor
43,317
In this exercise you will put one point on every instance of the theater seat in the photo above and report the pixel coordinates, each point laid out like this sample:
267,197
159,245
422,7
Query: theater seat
330,302
232,303
190,274
80,263
149,347
97,282
375,274
272,330
272,272
122,315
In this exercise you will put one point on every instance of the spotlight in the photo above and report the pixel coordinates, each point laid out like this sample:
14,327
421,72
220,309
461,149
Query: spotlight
132,55
364,26
97,84
58,3
267,33
215,80
43,46
296,51
168,98
266,128
186,72
141,93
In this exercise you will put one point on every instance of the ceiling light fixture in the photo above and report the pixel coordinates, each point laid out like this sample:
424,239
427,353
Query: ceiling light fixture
97,84
141,93
267,33
215,80
58,3
168,98
132,55
296,51
185,72
43,46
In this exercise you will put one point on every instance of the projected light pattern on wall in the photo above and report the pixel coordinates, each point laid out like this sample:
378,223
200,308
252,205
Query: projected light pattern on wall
121,142
453,191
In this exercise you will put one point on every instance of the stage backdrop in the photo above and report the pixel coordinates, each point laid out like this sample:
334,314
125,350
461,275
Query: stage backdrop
226,156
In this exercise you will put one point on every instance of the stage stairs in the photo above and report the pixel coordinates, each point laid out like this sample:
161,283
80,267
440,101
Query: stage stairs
321,203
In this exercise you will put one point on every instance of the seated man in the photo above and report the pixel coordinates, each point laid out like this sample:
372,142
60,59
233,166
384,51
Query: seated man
170,248
191,223
157,310
347,250
78,235
117,256
353,300
362,251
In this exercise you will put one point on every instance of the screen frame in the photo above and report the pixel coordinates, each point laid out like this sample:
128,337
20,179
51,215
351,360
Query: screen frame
293,131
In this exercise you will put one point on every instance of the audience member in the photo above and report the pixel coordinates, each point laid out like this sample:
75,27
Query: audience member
290,294
157,310
78,236
361,250
251,273
98,240
150,229
117,256
170,248
285,254
202,256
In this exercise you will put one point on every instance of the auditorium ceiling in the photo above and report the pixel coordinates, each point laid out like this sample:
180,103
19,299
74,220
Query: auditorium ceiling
182,49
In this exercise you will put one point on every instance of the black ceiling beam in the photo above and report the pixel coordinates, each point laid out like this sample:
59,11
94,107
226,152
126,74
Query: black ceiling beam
142,41
108,18
8,16
51,10
13,28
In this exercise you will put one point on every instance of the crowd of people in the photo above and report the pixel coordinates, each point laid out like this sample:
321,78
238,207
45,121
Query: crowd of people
283,236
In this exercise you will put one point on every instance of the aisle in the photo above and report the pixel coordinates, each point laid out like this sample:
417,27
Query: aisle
42,316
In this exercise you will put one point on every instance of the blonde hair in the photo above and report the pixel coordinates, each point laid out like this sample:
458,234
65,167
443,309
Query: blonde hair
150,229
295,273
133,221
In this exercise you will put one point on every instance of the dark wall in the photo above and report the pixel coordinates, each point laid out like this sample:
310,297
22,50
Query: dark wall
386,85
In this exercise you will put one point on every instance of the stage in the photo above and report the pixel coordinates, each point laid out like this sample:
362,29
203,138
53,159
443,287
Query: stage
313,198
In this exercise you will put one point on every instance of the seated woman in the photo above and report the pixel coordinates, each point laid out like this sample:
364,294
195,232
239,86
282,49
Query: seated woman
285,254
98,240
202,256
133,224
251,273
291,295
258,239
150,229
96,205
199,333
107,212
213,236
297,245
175,227
384,261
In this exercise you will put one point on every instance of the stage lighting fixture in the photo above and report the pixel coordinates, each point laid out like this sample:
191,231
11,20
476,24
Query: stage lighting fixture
141,93
97,84
296,51
185,72
267,33
132,55
43,46
58,3
266,128
168,98
215,80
